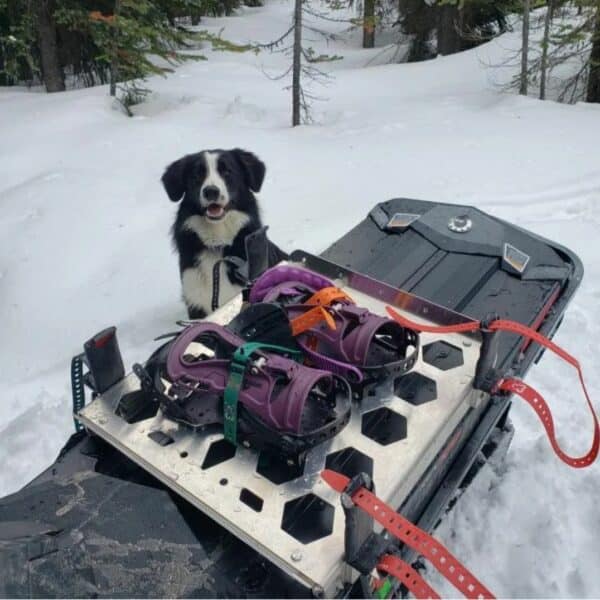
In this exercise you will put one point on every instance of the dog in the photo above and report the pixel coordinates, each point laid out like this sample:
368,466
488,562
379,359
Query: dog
218,210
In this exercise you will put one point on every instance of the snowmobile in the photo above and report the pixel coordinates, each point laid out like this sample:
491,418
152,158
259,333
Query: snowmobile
307,437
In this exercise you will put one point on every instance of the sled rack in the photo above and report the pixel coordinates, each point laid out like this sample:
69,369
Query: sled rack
289,514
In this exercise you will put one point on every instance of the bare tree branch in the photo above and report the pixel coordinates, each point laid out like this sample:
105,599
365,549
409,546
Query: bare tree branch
274,44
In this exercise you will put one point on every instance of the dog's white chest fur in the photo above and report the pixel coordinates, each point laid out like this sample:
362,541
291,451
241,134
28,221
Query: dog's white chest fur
219,233
197,282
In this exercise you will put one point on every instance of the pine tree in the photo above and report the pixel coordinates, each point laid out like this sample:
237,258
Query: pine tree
17,39
368,24
545,45
303,59
593,83
134,40
114,51
297,64
525,49
418,19
97,41
449,26
48,44
572,43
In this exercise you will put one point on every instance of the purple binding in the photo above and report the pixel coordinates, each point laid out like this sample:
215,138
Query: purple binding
347,350
285,274
279,406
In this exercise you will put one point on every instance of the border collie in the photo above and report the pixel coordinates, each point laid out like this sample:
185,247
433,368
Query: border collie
217,212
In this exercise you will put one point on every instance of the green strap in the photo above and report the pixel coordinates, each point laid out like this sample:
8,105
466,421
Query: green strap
230,401
243,353
237,368
385,590
77,389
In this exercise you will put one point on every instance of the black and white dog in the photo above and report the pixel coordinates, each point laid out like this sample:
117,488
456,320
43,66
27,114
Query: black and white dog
217,212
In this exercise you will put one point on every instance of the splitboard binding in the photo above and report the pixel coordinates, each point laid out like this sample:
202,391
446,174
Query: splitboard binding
260,392
333,332
250,375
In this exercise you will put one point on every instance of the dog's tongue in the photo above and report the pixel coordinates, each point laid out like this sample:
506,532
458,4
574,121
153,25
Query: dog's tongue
215,211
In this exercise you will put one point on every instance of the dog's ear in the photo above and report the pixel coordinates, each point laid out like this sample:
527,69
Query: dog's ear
175,177
254,169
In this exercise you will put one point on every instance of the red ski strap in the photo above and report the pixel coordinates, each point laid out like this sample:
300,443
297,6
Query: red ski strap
543,412
406,575
420,541
519,387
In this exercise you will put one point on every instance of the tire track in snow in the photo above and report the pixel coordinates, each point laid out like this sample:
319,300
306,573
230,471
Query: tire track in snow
563,203
588,185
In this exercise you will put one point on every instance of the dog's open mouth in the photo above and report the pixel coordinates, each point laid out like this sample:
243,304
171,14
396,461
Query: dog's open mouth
215,211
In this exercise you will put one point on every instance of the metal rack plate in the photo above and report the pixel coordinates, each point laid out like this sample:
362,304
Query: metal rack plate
216,490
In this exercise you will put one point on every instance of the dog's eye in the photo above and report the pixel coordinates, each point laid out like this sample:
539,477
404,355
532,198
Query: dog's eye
225,170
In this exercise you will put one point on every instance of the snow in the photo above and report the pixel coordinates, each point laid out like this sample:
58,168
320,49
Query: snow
85,243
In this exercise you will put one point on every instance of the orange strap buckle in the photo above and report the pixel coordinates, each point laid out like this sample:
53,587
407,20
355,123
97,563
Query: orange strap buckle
311,318
327,296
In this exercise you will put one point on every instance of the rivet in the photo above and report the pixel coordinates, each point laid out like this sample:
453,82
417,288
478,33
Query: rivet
296,556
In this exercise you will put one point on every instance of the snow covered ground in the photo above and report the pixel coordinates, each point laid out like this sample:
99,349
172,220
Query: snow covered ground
84,243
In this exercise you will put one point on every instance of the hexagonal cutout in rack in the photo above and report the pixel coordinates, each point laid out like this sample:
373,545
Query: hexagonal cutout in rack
276,469
415,388
218,452
308,518
349,462
442,355
384,426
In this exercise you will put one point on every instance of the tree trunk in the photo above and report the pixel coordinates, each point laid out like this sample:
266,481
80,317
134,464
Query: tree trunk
297,64
369,24
419,20
46,30
448,35
114,59
545,42
419,49
593,85
525,49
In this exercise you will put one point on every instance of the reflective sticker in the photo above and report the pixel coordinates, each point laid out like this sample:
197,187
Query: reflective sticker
515,258
402,220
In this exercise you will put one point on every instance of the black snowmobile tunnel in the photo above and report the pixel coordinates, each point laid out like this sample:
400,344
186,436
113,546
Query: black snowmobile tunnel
95,524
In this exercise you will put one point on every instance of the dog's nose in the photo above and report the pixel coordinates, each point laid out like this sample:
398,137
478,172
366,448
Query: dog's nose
211,193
